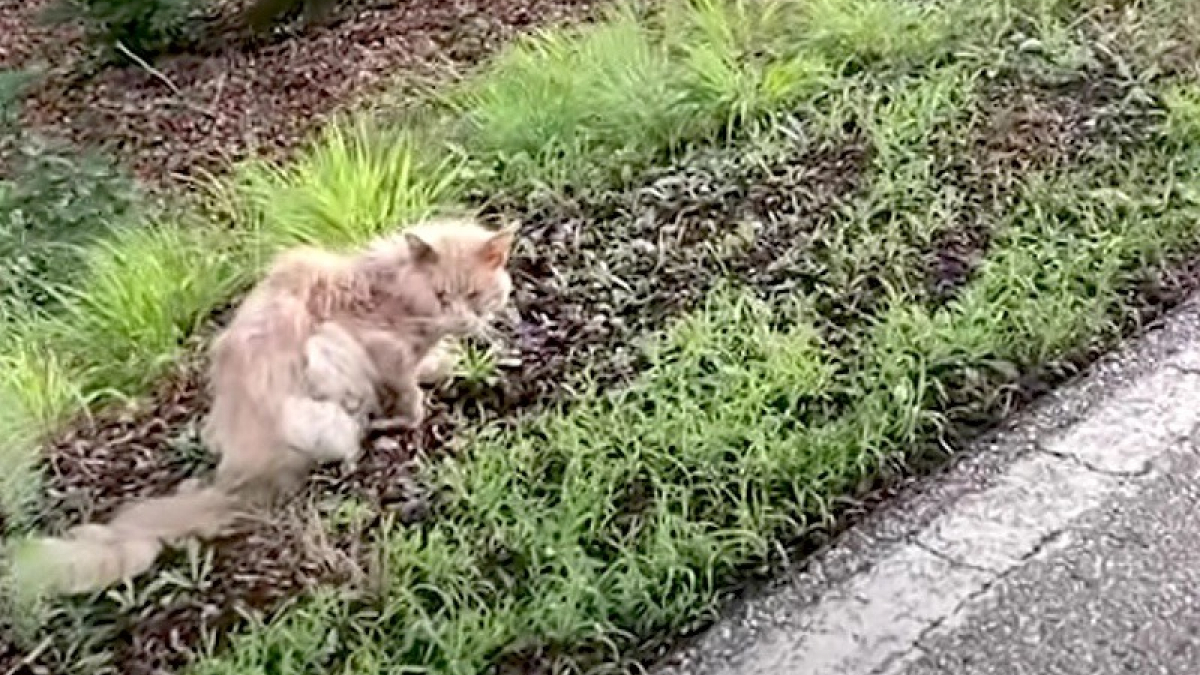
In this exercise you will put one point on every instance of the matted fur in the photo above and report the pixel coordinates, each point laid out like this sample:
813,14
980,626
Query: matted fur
297,374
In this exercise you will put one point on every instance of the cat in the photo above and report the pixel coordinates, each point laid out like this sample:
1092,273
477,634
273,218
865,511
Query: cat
296,376
399,300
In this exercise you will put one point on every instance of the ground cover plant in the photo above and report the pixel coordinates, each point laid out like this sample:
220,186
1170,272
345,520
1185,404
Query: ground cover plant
763,275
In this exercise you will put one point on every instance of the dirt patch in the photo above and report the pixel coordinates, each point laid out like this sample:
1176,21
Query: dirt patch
1023,128
259,98
592,275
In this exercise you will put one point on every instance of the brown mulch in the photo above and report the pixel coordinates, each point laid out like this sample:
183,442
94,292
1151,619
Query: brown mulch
253,97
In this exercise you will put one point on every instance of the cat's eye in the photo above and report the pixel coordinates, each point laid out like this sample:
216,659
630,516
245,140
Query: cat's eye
442,297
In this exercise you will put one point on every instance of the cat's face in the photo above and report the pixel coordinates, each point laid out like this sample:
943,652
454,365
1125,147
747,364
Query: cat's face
463,268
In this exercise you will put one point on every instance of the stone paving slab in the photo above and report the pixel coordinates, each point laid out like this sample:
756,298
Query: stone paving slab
1069,542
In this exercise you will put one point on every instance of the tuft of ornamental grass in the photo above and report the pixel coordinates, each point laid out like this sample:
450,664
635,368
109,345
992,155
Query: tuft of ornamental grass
37,393
355,181
861,33
145,291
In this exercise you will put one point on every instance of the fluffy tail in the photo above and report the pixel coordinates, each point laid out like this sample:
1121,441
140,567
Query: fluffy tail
93,556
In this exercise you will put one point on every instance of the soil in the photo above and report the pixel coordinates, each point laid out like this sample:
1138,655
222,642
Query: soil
251,97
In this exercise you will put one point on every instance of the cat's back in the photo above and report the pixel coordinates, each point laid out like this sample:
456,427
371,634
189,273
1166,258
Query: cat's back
278,310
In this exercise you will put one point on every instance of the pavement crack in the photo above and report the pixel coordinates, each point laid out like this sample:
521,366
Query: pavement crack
1041,545
1186,370
993,577
1145,470
941,555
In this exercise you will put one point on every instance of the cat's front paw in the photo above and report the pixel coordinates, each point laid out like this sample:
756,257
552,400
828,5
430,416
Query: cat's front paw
410,419
439,364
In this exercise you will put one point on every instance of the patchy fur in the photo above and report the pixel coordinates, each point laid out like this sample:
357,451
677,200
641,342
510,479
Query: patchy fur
296,376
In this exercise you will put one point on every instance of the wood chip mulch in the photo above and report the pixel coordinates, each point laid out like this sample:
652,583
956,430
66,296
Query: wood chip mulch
251,96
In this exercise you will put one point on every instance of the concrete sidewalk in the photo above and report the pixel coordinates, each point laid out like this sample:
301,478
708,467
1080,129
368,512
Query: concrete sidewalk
1068,543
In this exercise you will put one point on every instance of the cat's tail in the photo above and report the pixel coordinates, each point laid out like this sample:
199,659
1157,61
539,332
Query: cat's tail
94,556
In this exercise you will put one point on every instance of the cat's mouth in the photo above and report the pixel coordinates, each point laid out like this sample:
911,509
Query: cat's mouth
492,327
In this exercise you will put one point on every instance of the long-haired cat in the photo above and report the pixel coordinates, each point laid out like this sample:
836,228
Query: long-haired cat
296,375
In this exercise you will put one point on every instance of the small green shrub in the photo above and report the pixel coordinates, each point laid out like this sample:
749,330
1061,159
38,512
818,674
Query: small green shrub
12,86
143,26
55,203
52,200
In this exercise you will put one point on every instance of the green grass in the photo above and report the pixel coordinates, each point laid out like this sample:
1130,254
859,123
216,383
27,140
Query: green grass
355,181
584,533
125,331
559,109
36,393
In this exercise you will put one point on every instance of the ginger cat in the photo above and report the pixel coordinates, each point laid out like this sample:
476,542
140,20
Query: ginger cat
296,377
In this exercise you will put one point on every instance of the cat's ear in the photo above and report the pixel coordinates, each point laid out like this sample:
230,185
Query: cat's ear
420,249
496,249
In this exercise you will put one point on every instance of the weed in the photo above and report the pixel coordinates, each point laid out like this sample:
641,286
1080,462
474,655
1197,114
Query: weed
477,366
857,33
1183,112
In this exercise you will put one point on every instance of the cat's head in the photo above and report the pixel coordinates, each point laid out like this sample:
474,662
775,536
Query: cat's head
460,269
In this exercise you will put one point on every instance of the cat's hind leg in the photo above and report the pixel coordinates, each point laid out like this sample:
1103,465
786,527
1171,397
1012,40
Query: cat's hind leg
322,430
339,369
341,383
